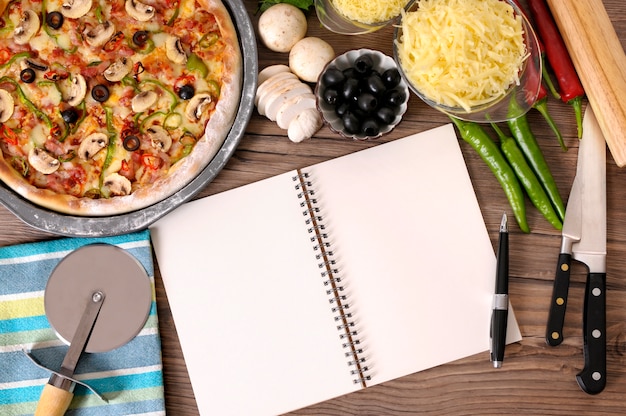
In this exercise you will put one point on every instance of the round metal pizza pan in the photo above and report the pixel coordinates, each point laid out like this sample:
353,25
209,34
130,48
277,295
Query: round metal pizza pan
84,226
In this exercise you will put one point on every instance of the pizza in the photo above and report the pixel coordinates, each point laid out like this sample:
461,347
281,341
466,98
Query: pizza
109,106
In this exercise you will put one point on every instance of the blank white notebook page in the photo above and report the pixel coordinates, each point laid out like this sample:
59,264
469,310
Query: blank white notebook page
251,312
414,251
253,316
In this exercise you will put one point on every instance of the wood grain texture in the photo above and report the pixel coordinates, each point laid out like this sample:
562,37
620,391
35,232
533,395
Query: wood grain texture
600,61
535,379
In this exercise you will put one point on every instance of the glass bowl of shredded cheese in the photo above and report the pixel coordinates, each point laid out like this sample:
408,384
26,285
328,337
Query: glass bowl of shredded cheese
477,60
354,17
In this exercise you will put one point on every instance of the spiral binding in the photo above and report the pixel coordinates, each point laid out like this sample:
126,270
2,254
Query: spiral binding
340,306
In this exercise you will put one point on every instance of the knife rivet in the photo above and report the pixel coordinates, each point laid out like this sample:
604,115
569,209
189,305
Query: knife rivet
564,267
596,291
596,333
560,301
596,375
555,335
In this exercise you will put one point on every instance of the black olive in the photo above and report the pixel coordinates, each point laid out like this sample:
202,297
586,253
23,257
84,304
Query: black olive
351,89
54,20
331,96
186,92
363,64
100,93
342,109
70,116
375,84
140,37
391,77
370,127
131,143
36,65
367,102
386,115
27,75
394,98
350,73
351,123
333,76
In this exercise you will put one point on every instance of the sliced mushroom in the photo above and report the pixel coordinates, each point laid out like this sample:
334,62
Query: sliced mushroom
77,90
100,34
6,105
75,8
117,184
118,69
196,106
143,101
159,138
92,144
139,11
174,50
26,28
42,161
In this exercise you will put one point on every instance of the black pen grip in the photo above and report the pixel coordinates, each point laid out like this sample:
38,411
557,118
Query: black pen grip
558,303
592,378
499,319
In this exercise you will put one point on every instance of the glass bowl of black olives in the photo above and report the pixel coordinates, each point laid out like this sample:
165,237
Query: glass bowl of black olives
361,94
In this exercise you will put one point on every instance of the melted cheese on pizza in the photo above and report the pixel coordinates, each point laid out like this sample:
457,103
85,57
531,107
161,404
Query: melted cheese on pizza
107,99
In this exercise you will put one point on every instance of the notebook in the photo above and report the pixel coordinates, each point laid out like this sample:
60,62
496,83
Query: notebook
328,279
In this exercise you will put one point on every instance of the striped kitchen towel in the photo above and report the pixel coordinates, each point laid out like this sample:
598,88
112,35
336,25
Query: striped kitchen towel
129,377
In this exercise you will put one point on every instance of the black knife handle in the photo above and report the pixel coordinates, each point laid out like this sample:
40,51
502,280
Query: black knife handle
592,378
558,304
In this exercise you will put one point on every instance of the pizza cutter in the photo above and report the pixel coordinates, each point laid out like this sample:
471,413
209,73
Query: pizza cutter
97,299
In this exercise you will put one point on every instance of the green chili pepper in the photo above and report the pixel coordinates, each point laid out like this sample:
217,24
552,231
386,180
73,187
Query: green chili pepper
527,177
172,121
20,164
194,63
111,147
15,57
542,107
172,19
171,93
40,114
488,151
208,39
49,31
526,141
149,118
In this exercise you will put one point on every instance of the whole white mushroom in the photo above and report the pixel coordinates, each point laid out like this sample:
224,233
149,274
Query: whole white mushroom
282,26
308,58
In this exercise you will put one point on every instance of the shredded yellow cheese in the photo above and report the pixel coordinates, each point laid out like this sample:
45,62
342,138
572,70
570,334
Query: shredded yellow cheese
370,11
462,53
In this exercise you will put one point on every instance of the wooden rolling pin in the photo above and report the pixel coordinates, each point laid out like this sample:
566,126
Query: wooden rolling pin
600,61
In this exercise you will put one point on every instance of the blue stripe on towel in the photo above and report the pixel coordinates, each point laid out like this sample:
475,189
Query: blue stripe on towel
129,376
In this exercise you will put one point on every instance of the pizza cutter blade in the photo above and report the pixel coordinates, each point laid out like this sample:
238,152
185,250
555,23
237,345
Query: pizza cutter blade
97,299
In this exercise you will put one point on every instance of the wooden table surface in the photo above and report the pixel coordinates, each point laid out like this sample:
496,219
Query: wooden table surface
535,379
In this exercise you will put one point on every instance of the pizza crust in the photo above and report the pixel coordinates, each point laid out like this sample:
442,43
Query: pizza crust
181,173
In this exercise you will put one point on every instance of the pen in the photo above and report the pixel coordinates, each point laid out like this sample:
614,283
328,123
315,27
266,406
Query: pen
501,297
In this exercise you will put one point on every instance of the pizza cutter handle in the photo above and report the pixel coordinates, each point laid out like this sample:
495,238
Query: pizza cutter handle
54,401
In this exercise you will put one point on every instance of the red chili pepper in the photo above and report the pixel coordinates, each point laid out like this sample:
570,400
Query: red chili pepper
114,43
540,103
9,135
570,86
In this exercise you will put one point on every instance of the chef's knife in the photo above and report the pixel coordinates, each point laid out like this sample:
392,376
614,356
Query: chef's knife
591,250
584,237
571,233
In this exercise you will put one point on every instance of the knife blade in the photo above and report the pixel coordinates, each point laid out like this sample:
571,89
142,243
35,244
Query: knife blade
571,233
591,250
